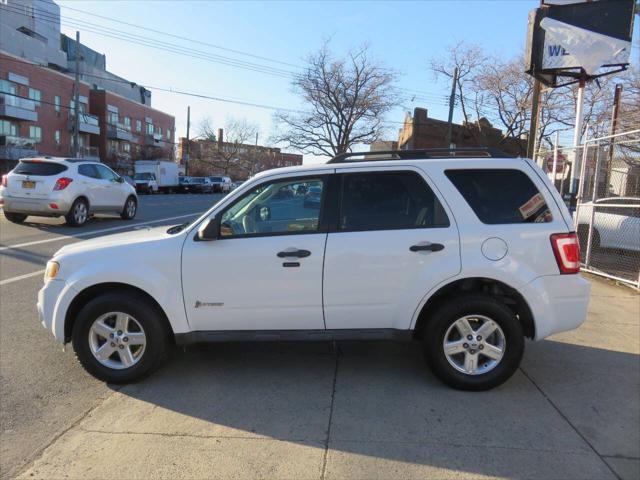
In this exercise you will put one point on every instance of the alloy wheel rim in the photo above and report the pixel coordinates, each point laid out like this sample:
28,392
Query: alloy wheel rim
80,213
131,208
117,340
474,344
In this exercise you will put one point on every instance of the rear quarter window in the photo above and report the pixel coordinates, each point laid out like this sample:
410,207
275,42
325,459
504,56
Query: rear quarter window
43,169
501,196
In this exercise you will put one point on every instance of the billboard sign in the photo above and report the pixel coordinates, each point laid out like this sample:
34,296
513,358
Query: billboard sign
579,39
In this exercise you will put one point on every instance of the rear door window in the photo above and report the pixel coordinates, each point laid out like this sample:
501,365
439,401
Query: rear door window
88,170
43,169
501,196
388,201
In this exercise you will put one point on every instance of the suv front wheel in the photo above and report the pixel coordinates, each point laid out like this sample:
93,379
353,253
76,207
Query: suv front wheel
119,337
473,342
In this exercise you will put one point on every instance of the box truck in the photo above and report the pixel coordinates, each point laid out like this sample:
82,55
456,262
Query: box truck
152,176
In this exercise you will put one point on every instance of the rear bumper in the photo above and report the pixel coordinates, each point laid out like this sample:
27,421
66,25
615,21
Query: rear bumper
35,206
558,303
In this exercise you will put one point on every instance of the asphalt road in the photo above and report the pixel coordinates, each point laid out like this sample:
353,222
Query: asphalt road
43,391
363,410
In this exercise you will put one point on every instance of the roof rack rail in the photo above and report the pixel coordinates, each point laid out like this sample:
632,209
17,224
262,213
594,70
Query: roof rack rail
421,153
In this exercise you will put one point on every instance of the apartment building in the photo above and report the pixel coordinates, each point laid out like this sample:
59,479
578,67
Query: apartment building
130,130
37,70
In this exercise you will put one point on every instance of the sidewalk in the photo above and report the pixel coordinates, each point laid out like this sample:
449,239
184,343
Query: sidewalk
372,410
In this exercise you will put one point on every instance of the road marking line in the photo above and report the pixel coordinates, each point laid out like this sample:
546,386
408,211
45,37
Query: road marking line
94,232
21,277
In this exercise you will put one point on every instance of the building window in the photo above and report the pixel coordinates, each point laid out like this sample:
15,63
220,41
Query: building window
8,128
56,103
7,87
169,134
159,131
149,128
35,95
35,133
112,118
126,147
127,122
56,137
81,106
138,126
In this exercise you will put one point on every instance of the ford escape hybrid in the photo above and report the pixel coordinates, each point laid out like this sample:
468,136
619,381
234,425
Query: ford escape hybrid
468,255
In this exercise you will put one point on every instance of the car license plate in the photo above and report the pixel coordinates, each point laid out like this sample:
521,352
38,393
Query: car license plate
28,184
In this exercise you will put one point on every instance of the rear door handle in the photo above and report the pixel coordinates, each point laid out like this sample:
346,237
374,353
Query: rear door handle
294,253
431,247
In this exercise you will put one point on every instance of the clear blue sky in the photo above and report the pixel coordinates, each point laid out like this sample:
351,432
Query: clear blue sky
402,35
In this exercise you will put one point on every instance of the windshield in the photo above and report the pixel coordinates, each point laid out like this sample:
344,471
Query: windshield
40,168
197,180
215,179
144,176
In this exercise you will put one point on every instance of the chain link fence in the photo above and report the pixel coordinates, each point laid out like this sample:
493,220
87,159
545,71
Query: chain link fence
607,208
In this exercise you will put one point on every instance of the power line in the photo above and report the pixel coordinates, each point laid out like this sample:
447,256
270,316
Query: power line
414,94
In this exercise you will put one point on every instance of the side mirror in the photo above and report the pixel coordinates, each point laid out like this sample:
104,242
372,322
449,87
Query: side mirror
120,180
209,230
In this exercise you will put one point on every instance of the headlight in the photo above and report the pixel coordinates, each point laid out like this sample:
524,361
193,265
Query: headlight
51,271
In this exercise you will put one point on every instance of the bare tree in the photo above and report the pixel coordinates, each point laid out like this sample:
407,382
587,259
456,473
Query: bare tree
345,102
234,150
469,60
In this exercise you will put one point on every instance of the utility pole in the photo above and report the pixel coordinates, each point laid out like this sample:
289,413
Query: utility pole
76,101
577,134
186,155
452,101
614,127
533,125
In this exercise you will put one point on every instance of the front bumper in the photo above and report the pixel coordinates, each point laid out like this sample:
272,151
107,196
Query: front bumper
35,206
558,303
53,301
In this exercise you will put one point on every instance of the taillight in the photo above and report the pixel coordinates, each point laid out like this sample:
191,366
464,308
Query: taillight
62,183
5,180
566,248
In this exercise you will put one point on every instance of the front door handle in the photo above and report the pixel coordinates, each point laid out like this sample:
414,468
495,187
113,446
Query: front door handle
294,253
431,247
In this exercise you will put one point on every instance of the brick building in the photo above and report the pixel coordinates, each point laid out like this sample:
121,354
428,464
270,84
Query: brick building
117,124
129,130
246,161
421,131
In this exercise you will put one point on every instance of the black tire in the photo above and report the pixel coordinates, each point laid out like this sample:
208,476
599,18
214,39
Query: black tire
455,308
73,217
15,217
146,314
129,212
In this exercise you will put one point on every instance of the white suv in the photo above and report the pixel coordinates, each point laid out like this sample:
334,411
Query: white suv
467,255
71,187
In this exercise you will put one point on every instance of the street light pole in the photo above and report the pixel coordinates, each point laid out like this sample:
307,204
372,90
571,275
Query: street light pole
76,101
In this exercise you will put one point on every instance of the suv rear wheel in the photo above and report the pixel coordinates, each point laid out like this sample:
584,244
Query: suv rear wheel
130,208
474,342
78,213
15,217
119,337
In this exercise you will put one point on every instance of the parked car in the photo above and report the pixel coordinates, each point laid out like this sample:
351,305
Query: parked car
184,184
312,197
200,185
468,256
616,223
73,188
221,184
